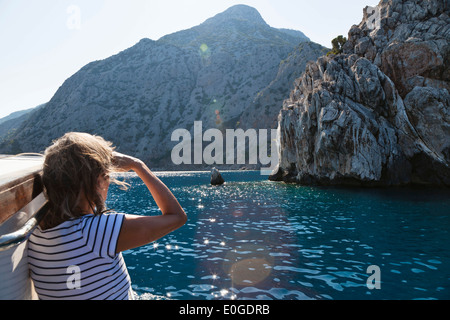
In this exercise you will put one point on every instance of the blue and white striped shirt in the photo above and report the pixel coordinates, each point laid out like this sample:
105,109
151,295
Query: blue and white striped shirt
77,260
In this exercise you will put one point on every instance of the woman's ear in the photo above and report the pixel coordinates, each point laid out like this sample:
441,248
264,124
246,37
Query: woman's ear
103,182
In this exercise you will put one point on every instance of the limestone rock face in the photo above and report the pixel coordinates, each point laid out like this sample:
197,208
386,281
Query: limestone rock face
267,102
408,40
379,113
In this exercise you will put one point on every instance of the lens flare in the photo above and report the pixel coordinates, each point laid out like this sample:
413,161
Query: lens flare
249,272
238,213
248,265
204,48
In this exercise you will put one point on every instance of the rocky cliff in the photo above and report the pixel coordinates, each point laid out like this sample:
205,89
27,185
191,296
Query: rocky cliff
211,73
378,114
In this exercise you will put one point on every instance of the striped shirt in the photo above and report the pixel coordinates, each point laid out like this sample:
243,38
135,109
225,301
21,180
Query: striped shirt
77,260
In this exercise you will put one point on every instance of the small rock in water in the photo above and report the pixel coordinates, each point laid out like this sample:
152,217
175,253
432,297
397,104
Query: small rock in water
216,178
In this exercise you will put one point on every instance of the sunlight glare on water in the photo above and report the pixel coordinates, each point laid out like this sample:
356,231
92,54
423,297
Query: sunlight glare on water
255,239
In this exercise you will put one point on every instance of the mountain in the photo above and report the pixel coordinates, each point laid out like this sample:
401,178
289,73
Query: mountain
212,73
15,115
267,104
377,114
10,123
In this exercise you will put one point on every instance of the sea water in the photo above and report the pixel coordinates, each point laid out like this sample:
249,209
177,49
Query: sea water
255,239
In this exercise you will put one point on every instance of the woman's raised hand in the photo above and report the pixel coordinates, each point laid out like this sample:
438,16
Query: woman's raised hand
124,163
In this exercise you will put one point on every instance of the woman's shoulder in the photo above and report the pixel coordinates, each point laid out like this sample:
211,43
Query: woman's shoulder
80,223
63,227
107,217
110,220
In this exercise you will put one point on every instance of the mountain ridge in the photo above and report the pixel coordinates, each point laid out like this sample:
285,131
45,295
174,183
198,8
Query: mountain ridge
237,12
136,98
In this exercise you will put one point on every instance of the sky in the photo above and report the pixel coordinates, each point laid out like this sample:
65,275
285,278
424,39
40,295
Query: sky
45,42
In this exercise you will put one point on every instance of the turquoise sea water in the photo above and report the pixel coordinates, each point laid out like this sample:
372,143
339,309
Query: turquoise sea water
256,239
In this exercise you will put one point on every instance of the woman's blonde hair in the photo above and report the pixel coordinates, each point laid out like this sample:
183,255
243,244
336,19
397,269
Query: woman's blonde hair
72,166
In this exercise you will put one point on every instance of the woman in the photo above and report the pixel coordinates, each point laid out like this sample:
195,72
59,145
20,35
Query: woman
75,253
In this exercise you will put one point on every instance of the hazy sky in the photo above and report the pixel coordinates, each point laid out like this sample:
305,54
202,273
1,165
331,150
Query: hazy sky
45,42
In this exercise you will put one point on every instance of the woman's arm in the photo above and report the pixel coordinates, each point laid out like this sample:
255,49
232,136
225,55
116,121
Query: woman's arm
140,230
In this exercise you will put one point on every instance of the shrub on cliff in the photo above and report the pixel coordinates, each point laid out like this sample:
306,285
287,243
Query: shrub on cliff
338,44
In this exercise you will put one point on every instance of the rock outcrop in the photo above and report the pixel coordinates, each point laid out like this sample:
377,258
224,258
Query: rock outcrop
408,41
377,115
216,178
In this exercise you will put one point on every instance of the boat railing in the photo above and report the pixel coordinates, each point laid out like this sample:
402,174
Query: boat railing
22,207
15,238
